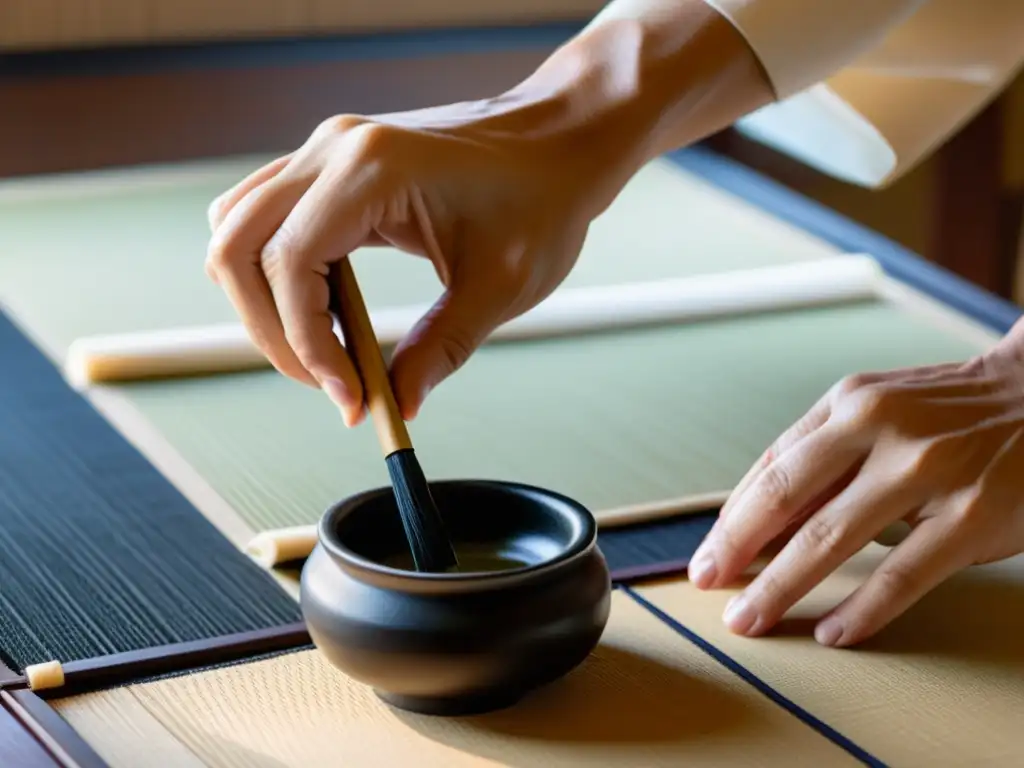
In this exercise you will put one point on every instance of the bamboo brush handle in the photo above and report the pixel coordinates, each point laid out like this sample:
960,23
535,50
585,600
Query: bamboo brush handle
362,345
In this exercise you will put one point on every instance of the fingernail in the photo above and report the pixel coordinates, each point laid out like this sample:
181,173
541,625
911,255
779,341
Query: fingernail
409,412
739,617
702,570
829,631
340,396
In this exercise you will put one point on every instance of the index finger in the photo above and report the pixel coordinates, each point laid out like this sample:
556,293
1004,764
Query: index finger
703,571
773,500
333,218
234,260
223,203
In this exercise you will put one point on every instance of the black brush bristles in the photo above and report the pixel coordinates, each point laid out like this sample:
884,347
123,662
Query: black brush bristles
431,550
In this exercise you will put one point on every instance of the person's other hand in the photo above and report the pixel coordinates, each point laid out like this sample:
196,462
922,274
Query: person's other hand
940,447
500,213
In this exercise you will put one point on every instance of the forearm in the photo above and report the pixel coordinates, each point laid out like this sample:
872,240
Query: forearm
658,74
643,78
648,76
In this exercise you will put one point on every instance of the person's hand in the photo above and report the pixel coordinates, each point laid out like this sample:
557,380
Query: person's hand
940,447
501,214
498,194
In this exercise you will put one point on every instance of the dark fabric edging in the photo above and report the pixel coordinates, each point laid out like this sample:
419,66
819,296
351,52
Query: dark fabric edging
738,669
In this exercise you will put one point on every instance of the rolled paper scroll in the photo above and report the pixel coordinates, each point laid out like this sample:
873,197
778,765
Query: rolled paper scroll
276,546
226,347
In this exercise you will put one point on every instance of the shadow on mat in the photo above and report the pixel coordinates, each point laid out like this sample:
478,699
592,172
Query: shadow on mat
615,697
974,616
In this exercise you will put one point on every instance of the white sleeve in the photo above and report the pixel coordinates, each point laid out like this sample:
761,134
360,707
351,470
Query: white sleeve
802,42
867,89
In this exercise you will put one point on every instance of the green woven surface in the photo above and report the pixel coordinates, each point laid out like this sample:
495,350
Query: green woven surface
125,252
613,419
610,420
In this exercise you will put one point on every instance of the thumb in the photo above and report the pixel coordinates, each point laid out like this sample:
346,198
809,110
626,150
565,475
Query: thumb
441,343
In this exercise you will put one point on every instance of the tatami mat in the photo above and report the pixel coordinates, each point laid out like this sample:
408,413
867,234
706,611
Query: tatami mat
647,697
942,686
611,419
123,251
615,419
99,553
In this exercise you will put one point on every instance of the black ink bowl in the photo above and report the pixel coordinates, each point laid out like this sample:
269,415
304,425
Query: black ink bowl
464,642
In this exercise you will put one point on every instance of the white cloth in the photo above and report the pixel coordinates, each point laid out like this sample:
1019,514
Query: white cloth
868,88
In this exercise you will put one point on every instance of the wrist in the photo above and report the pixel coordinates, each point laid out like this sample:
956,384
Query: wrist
645,77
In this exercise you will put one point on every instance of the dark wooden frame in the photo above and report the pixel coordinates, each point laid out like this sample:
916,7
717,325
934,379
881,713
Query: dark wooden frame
34,735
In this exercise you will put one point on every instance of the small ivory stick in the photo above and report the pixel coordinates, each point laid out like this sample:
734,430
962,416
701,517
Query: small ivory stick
281,545
223,348
43,676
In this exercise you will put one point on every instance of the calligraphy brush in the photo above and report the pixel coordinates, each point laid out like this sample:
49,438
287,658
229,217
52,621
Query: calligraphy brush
424,528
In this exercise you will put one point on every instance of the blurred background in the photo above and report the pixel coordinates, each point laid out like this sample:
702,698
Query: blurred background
86,85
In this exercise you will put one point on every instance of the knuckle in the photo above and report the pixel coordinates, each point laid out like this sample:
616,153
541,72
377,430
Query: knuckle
972,509
865,406
820,534
515,266
281,254
726,540
771,453
789,438
369,141
896,579
221,255
515,270
871,400
775,488
336,125
847,385
276,252
455,350
770,593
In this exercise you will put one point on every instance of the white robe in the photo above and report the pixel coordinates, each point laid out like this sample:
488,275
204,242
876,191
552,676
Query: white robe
869,88
866,89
